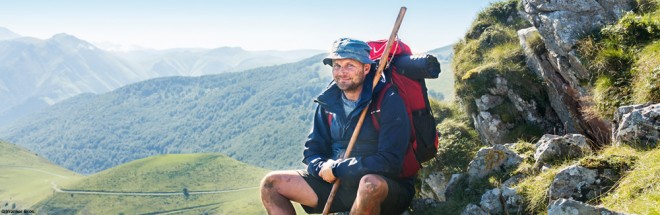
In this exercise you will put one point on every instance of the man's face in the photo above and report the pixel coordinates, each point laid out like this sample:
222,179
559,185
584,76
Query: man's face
349,74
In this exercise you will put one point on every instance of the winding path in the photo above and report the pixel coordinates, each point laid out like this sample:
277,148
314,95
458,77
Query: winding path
89,192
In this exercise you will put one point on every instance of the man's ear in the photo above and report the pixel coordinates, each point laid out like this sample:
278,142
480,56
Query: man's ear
367,68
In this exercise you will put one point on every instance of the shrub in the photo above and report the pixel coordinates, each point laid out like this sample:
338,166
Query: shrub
646,6
633,29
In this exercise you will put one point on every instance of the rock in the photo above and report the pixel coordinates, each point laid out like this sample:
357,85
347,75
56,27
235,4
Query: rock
487,102
424,204
582,184
453,183
492,128
572,207
491,201
490,159
511,182
637,124
561,23
552,147
472,209
434,186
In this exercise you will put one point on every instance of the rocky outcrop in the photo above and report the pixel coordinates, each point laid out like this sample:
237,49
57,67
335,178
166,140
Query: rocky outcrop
472,209
572,207
637,124
434,186
581,183
561,24
490,159
552,147
503,200
490,125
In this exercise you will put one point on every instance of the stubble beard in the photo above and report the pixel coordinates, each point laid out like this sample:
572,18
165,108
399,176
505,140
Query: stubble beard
352,86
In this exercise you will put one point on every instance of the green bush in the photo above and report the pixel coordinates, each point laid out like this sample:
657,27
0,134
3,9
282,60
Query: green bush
458,145
634,29
646,6
613,61
622,59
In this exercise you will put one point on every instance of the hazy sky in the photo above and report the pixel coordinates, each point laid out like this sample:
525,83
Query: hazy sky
251,24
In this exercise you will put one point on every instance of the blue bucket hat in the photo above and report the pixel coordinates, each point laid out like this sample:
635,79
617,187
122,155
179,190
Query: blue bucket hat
349,48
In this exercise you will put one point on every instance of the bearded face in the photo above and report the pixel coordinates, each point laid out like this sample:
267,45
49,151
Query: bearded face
349,74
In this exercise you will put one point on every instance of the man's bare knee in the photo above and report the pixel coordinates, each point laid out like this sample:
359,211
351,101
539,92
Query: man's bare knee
373,185
271,180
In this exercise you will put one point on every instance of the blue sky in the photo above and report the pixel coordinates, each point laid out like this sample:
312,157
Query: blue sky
250,24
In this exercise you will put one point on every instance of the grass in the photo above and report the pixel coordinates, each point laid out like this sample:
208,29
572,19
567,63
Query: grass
26,177
491,50
458,140
639,191
242,202
166,173
628,162
465,194
534,189
646,84
173,172
623,61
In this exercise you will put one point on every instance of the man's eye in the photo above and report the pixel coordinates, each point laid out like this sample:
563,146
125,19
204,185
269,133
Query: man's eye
336,67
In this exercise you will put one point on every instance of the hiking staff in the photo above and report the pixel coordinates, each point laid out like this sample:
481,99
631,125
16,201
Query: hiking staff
356,132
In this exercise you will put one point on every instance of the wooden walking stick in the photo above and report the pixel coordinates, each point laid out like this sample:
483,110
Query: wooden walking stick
356,132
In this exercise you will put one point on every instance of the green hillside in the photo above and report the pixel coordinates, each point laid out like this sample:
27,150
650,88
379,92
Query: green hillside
26,177
260,117
442,88
173,172
236,185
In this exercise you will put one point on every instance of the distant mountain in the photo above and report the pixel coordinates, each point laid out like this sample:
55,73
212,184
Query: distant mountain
26,177
442,88
260,116
37,73
231,188
197,62
6,34
444,54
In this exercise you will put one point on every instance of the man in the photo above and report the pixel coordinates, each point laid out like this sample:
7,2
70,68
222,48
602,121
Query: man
370,182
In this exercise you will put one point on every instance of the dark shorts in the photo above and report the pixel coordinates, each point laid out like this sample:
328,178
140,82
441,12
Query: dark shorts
397,201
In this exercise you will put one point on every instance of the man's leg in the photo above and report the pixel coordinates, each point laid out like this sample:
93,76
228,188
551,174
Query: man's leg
372,191
278,188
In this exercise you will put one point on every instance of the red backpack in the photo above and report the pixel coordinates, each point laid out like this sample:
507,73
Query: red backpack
407,72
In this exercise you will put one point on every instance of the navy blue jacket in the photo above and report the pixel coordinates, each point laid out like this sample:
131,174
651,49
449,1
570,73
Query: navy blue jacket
374,152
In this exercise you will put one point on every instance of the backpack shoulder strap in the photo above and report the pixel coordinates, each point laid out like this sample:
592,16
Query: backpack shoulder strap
376,105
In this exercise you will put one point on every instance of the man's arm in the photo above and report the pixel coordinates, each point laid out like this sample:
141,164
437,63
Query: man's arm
393,141
317,147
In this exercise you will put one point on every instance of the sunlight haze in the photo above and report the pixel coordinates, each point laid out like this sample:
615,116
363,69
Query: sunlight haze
250,24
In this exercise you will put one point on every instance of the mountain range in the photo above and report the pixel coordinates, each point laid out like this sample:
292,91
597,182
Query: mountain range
109,121
35,74
260,116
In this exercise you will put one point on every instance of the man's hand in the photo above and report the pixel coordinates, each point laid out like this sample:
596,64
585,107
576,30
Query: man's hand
326,171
